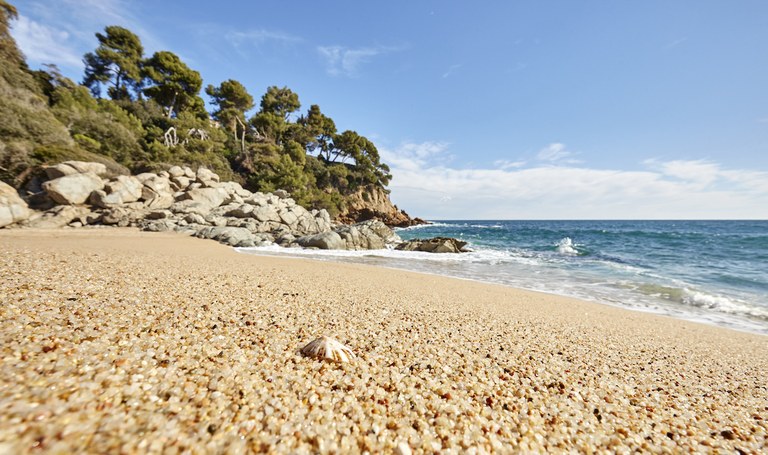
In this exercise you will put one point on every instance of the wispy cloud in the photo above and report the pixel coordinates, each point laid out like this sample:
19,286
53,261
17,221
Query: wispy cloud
44,44
430,187
345,61
508,164
451,70
257,37
675,43
62,32
556,153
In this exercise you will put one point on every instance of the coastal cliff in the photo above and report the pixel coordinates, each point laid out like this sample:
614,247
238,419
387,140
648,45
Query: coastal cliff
373,202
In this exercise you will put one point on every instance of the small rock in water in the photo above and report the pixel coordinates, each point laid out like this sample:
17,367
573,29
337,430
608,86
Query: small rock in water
326,348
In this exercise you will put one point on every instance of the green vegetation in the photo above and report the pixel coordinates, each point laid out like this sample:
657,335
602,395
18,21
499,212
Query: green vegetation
140,113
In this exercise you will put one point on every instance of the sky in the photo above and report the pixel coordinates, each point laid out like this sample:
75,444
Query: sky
489,110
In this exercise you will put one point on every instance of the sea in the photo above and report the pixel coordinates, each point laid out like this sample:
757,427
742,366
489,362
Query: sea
714,272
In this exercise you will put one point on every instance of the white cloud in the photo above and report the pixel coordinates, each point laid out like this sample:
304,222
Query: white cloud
62,32
508,164
345,61
258,37
44,44
428,187
556,153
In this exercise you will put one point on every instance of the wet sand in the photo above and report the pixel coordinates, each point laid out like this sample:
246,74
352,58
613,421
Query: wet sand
114,340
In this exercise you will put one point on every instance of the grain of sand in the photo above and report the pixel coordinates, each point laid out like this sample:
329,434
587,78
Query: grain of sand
120,341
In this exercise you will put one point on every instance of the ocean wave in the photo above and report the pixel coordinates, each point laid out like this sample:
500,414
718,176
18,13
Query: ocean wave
565,246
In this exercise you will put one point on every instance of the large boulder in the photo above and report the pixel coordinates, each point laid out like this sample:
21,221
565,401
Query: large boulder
234,236
211,197
122,190
324,241
73,189
156,191
206,177
58,216
75,167
435,245
12,207
368,235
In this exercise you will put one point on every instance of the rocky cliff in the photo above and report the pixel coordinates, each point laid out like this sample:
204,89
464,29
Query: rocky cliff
372,202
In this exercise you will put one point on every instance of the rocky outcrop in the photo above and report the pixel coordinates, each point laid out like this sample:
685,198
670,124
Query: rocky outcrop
324,241
13,209
435,245
73,189
192,202
368,235
75,167
372,202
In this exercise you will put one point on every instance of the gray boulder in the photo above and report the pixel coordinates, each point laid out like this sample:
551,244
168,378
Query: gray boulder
12,207
58,216
155,186
324,241
234,236
75,167
211,197
206,177
368,235
434,245
73,189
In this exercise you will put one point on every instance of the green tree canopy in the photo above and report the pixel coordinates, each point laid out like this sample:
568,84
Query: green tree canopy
280,101
116,62
232,100
321,129
174,85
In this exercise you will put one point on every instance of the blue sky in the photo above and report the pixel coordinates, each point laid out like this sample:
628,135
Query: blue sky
493,110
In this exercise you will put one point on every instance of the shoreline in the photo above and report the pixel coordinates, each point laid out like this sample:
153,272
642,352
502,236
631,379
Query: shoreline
196,346
343,257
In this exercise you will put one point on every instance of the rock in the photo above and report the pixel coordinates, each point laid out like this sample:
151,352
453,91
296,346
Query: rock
190,207
206,177
59,216
176,171
128,188
368,235
243,211
189,172
159,215
73,189
289,218
282,194
12,207
156,192
435,245
234,188
75,167
211,197
181,182
234,236
124,215
371,202
194,218
158,225
266,213
100,198
325,241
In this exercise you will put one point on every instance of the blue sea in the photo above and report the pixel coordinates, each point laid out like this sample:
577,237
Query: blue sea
714,272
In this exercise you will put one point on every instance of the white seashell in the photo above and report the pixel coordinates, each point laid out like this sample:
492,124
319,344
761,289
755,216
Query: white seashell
326,348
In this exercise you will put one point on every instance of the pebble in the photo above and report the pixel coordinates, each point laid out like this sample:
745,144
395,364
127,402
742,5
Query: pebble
119,341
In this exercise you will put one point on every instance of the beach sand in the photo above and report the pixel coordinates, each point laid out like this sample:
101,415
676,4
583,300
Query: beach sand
114,340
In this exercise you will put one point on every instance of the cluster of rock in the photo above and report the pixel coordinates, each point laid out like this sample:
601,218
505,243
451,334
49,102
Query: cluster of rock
435,245
197,203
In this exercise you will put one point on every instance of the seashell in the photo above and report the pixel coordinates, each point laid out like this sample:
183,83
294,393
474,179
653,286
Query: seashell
326,348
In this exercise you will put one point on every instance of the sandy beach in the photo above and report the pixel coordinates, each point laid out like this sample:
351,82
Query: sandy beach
119,341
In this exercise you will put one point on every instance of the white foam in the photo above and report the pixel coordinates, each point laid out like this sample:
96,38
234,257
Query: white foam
565,246
722,304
